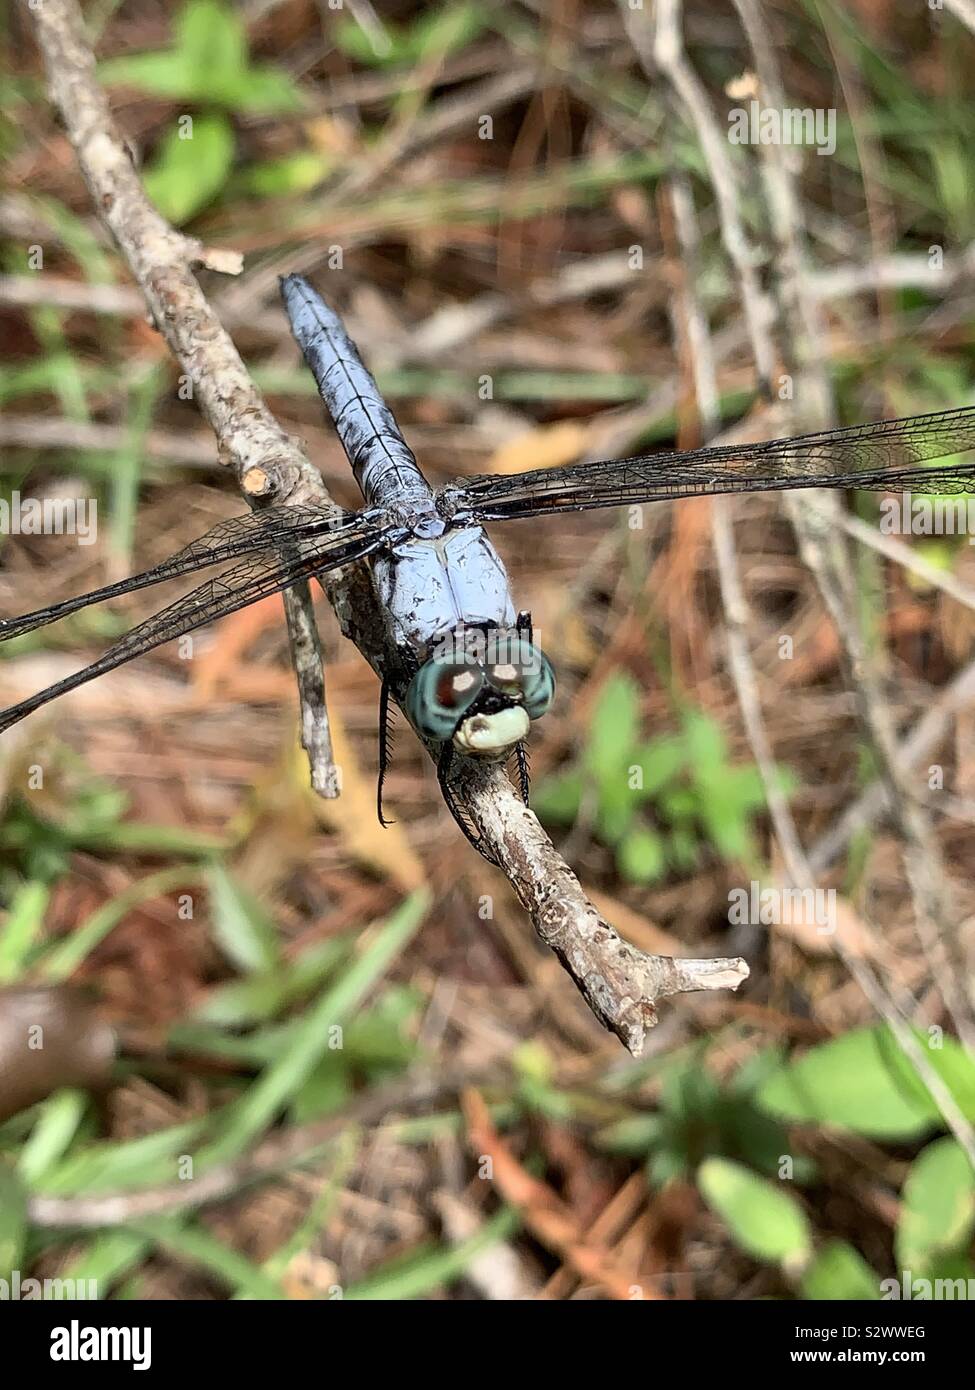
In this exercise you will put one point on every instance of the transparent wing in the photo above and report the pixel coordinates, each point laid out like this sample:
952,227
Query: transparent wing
240,535
254,578
878,456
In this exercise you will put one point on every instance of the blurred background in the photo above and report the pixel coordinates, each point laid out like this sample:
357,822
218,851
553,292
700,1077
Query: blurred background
548,246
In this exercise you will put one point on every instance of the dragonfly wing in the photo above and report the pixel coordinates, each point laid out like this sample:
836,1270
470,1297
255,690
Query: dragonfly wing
253,578
239,535
891,454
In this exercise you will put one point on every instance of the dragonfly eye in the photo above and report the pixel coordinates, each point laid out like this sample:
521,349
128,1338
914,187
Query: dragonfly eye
439,695
524,674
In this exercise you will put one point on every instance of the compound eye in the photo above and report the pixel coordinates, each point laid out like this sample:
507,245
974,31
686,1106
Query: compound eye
524,674
440,694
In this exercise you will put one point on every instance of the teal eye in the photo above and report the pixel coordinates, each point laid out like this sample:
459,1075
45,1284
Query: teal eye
440,694
524,674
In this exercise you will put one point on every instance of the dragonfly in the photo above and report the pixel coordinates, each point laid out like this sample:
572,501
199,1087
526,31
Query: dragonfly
474,678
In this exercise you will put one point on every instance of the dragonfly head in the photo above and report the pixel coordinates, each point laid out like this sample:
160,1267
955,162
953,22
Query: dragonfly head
482,695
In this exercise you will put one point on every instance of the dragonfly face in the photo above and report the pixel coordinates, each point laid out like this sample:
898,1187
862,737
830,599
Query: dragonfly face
483,702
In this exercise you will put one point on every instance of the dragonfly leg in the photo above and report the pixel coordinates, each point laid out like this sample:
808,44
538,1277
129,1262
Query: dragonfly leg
456,809
385,747
524,772
523,624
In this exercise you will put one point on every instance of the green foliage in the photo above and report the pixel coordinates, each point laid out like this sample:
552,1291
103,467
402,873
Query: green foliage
657,803
937,1213
837,1271
190,167
698,1118
245,932
863,1082
279,178
13,1219
207,64
434,31
41,846
765,1219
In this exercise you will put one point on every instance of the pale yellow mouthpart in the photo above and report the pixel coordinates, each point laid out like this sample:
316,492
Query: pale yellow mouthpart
486,734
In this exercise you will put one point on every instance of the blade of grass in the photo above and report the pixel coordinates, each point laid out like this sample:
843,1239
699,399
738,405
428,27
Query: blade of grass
107,1258
283,1079
193,1245
56,1127
21,929
241,927
433,1266
62,960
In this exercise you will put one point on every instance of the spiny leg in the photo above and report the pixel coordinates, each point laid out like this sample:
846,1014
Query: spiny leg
385,747
524,771
523,624
456,809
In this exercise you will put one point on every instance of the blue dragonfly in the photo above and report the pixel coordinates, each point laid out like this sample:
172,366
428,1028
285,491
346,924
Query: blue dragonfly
475,679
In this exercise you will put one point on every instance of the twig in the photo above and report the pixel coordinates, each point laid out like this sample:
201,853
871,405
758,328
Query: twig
620,983
664,47
920,743
268,464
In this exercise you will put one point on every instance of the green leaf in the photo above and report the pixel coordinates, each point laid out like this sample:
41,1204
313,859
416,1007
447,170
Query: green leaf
59,1119
261,996
727,822
208,64
847,1083
765,1220
678,804
325,1091
293,173
640,856
683,850
614,730
947,1056
128,1163
243,930
705,742
840,1272
187,174
13,1220
864,1083
616,812
636,1135
659,762
442,30
263,91
937,1205
557,799
211,38
162,74
22,927
109,1256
